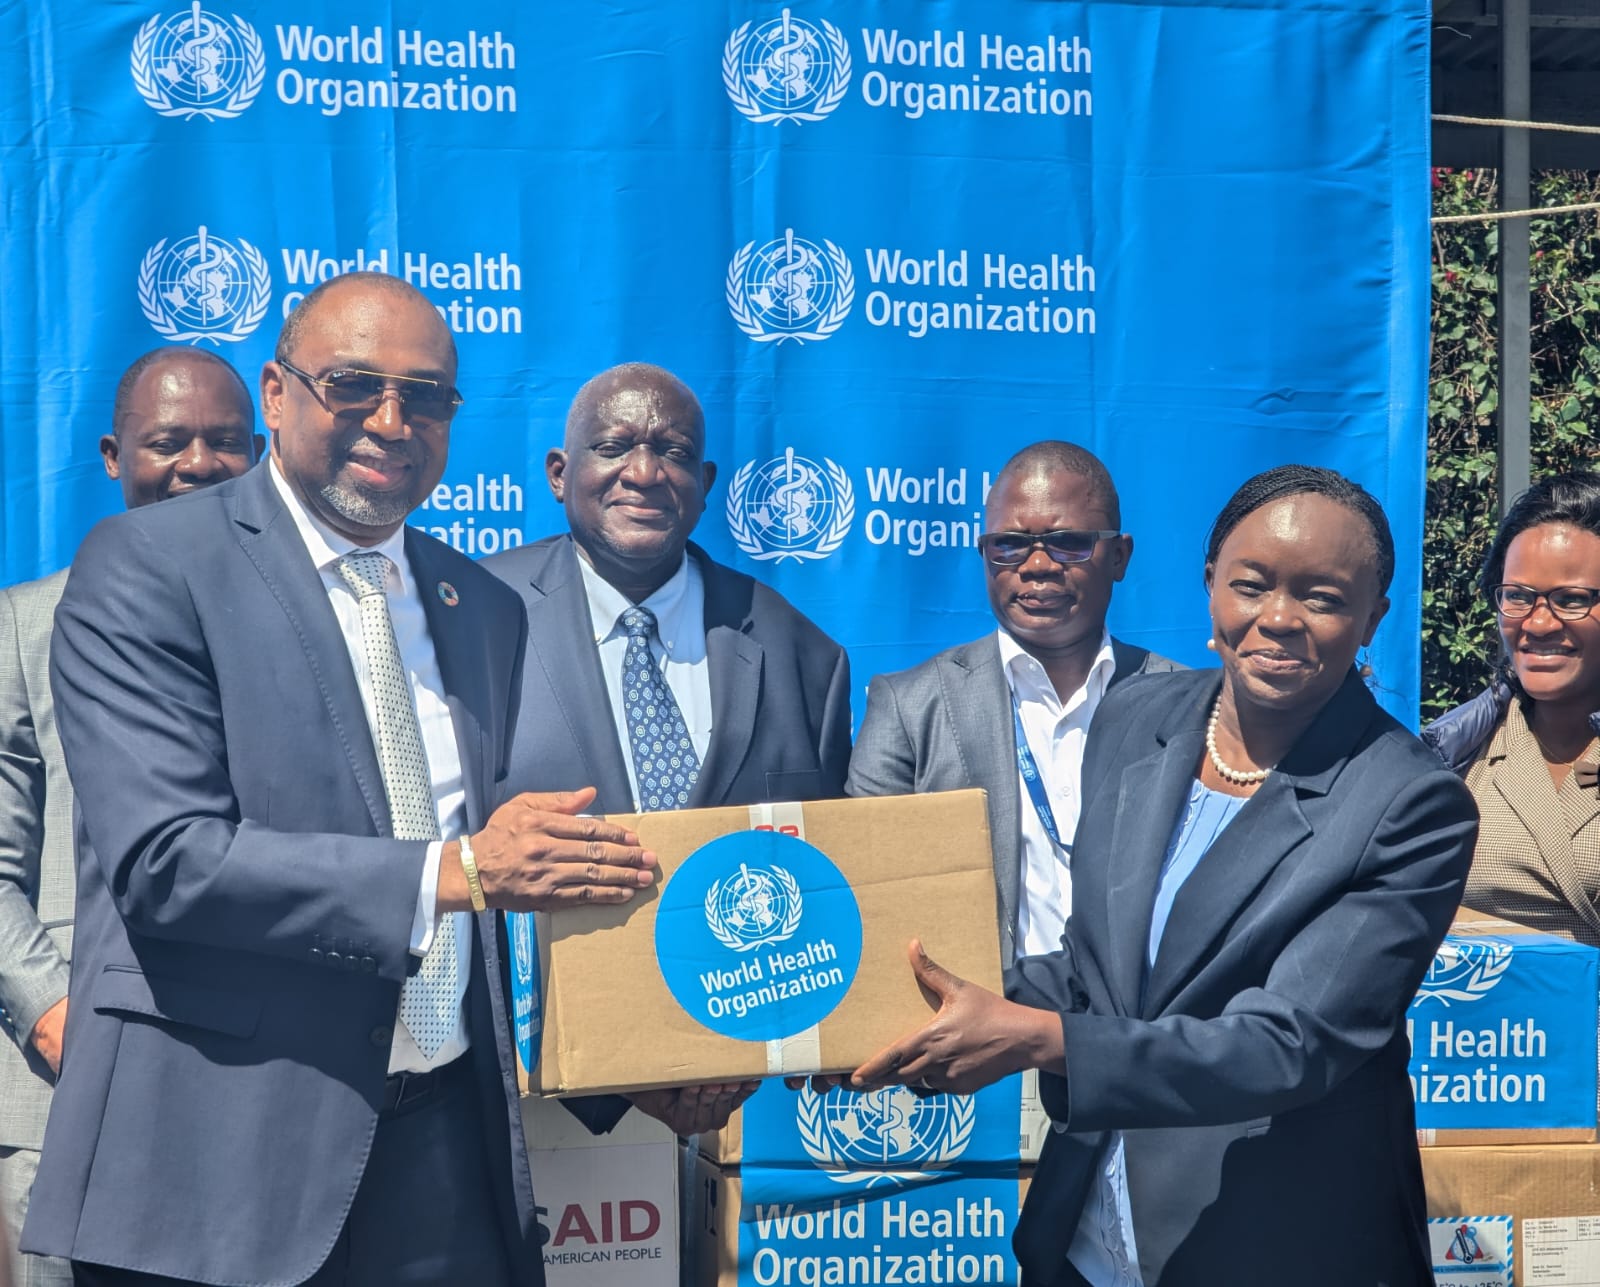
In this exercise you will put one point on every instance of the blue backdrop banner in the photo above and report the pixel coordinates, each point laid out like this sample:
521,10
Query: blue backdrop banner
887,241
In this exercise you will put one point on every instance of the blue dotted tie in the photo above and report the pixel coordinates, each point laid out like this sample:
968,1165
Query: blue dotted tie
664,762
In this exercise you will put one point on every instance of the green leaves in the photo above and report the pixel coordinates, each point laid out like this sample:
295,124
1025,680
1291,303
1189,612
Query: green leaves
1459,639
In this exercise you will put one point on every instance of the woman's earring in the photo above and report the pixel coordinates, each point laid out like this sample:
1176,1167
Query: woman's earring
1211,644
1363,667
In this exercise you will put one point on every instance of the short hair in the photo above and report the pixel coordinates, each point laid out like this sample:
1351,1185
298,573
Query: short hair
1572,498
1055,456
1301,480
585,403
157,357
294,326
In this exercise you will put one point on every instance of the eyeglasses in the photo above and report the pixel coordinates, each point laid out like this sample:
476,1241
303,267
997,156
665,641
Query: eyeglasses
351,391
1568,602
1012,549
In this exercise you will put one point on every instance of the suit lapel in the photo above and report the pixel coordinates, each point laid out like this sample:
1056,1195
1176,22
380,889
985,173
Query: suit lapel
268,538
975,693
1269,827
454,631
734,662
1523,782
561,640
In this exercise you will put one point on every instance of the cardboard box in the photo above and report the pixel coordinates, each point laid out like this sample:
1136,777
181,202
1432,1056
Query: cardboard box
1514,1216
775,942
609,1210
727,1147
955,1228
1503,1034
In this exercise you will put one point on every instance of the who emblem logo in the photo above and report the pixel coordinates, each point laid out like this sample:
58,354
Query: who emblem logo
786,69
790,508
884,1134
198,64
790,289
1464,971
760,905
204,288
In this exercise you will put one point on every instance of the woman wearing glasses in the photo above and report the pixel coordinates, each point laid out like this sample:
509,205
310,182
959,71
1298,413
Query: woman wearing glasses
1265,865
1526,745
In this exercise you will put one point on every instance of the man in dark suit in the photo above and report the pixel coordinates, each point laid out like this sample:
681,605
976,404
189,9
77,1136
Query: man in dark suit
181,419
1053,550
287,1058
755,698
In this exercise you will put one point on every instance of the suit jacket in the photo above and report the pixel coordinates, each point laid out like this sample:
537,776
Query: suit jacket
244,915
780,690
1538,855
36,878
1259,1072
941,726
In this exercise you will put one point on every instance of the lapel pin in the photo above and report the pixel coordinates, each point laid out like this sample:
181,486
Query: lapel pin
447,593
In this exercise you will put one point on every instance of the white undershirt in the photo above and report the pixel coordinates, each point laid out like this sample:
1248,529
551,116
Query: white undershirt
326,547
1056,733
679,648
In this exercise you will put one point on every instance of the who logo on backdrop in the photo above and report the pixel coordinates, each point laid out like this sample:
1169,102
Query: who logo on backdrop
882,1135
204,287
790,508
786,69
790,289
198,63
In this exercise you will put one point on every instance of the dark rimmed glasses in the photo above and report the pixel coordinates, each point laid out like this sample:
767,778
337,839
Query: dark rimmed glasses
1012,549
1568,602
351,391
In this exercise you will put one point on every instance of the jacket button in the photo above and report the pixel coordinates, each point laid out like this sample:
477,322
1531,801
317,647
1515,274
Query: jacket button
333,958
316,955
369,965
381,1036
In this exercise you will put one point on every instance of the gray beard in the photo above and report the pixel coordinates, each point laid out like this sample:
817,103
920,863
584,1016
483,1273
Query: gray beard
366,509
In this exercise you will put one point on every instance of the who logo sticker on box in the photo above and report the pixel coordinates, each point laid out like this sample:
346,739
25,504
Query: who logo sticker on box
1503,1031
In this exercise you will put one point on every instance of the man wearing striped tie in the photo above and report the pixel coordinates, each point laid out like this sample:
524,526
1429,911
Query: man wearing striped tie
655,674
287,1059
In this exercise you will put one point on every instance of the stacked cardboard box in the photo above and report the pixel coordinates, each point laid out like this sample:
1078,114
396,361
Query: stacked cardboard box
880,1187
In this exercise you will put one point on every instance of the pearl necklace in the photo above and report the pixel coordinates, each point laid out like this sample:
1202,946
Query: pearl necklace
1235,776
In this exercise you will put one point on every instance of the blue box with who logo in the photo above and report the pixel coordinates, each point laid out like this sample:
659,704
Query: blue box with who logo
1503,1031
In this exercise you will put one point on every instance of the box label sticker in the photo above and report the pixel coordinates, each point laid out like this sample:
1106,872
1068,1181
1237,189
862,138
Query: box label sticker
758,935
1564,1251
1471,1251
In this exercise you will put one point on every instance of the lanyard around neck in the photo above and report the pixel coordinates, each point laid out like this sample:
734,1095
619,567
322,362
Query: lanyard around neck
1031,778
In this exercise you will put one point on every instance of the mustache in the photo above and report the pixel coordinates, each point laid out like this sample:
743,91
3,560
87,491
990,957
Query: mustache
408,451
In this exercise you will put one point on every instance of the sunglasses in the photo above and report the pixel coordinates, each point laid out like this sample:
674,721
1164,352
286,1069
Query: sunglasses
1012,549
352,392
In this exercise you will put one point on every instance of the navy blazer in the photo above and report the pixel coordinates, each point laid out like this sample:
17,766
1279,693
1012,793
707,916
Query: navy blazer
1260,1071
244,916
780,690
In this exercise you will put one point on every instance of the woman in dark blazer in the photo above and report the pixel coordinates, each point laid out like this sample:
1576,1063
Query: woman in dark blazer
1264,868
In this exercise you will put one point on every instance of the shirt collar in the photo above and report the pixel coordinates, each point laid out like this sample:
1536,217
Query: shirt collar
1026,676
326,546
670,604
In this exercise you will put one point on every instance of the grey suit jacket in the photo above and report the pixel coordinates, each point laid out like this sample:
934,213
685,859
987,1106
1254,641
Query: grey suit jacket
36,874
942,726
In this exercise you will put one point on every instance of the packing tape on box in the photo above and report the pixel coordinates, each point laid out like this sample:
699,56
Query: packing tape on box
801,1052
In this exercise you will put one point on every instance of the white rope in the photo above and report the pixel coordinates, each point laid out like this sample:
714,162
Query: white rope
1535,213
1517,125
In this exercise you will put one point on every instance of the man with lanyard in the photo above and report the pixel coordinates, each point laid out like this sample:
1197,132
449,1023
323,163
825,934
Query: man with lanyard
1052,548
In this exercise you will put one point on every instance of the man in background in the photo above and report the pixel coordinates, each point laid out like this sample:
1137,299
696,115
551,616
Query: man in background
626,615
182,420
1010,712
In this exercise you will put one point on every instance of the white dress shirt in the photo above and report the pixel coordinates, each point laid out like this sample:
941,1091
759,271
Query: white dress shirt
326,547
679,648
1056,732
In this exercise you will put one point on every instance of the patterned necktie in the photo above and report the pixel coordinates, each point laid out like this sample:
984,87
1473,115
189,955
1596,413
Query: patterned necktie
664,761
429,1001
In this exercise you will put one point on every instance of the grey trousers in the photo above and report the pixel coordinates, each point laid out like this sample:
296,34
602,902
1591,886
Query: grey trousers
17,1167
